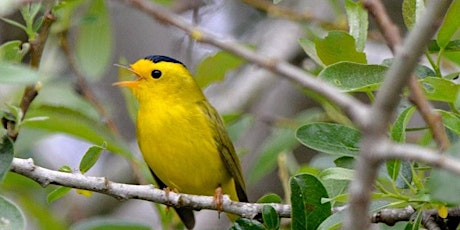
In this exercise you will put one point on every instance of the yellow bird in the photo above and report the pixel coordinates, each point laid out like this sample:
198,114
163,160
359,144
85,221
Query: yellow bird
180,134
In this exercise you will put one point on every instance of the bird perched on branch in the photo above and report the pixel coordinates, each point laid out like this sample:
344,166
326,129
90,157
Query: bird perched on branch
180,134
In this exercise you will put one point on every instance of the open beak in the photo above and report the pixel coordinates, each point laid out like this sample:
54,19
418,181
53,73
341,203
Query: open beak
128,84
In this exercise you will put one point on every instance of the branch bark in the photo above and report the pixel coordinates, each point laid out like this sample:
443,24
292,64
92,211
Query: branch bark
388,97
45,177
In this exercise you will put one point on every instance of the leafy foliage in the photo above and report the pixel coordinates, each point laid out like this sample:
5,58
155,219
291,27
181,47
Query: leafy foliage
314,187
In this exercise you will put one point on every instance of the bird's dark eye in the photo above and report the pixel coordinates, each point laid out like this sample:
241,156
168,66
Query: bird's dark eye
156,74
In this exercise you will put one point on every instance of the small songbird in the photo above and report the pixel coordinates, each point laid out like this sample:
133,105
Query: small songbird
180,134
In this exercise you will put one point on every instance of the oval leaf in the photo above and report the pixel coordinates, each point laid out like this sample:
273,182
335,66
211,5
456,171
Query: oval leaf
330,138
338,46
11,216
270,217
307,209
247,224
353,77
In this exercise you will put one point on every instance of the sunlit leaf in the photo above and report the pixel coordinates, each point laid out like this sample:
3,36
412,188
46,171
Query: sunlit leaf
214,68
412,11
338,46
57,194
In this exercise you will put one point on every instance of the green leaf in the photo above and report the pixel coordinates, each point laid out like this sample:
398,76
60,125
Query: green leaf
17,74
69,121
57,194
338,46
444,185
412,11
12,51
90,158
108,224
450,121
357,22
398,134
213,68
452,46
334,139
440,89
270,198
94,40
337,173
281,140
398,130
11,216
6,156
307,209
270,217
344,162
309,47
450,25
65,168
247,224
354,77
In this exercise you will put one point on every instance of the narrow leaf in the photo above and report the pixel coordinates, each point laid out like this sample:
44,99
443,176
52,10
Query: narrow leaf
90,158
357,22
57,194
412,11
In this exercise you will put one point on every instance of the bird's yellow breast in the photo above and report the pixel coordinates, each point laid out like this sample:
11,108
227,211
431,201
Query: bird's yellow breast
178,144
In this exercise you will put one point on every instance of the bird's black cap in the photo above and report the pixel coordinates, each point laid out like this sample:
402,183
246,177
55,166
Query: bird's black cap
160,58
